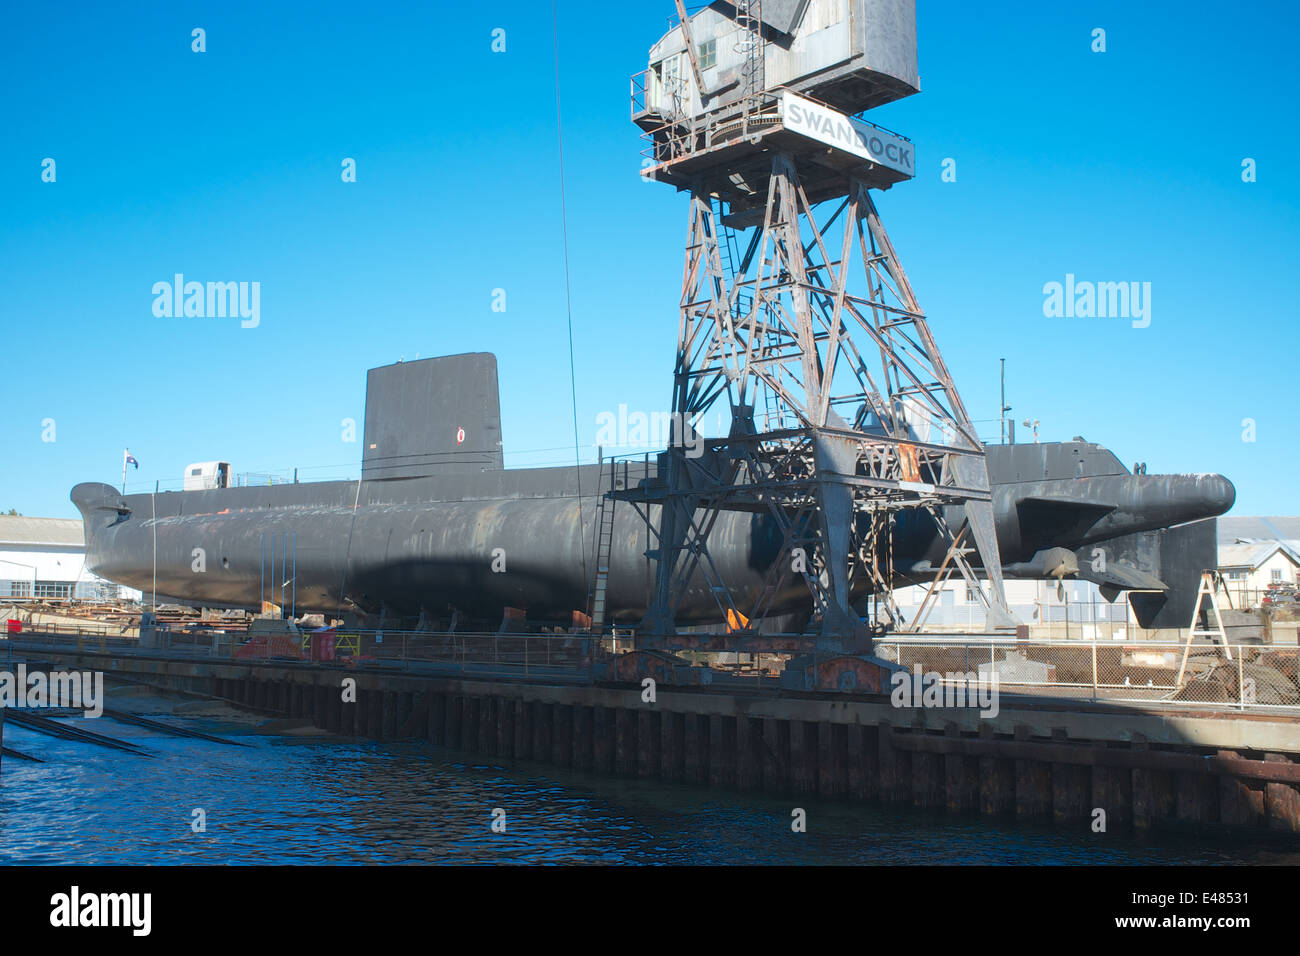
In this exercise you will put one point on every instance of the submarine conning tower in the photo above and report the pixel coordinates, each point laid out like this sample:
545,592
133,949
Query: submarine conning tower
434,416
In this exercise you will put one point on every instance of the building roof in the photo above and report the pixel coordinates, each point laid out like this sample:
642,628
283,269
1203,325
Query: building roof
783,15
1251,554
60,532
1277,528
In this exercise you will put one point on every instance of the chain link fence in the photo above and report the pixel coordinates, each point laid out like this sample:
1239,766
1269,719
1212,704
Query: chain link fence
560,656
1238,675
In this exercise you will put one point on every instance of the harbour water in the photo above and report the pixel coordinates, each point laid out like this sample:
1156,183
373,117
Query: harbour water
294,795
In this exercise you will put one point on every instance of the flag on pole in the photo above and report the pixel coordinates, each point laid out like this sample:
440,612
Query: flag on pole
127,459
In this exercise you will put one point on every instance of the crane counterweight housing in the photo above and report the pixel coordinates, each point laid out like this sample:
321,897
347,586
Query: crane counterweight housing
853,55
736,82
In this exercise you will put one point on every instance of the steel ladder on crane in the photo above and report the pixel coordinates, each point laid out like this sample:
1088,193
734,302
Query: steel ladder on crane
604,543
732,267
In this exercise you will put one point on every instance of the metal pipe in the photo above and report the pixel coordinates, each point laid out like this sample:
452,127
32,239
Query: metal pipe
1002,414
1241,685
153,506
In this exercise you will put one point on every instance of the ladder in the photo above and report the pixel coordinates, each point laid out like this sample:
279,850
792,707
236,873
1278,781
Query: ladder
604,542
1211,583
749,23
773,418
729,253
732,263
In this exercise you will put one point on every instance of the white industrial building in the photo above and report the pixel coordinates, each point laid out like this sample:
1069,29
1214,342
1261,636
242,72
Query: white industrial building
1075,609
45,559
1254,552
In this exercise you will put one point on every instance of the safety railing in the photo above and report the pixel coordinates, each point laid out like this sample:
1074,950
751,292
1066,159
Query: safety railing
1235,677
562,656
640,88
1238,676
88,633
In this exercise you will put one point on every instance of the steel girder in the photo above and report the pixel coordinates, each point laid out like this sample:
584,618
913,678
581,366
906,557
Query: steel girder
842,410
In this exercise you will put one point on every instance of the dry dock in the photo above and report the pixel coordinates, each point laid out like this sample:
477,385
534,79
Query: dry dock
1144,764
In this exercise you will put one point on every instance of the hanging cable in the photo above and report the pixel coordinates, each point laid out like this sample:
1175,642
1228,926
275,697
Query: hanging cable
568,294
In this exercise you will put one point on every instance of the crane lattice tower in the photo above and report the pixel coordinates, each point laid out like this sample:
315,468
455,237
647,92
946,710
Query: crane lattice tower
797,315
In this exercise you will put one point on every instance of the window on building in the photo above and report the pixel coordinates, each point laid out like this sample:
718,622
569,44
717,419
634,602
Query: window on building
53,589
972,594
669,92
822,14
1275,575
20,589
708,54
1236,575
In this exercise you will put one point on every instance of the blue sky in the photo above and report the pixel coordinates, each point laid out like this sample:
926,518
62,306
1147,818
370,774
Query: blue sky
225,165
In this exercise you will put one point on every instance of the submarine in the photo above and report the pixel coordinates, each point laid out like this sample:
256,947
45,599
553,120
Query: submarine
437,531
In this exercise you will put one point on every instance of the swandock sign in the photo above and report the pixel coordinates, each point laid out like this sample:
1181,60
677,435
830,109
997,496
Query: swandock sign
825,125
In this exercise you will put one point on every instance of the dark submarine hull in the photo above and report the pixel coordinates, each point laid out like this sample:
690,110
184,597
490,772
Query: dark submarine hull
435,525
526,539
478,544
